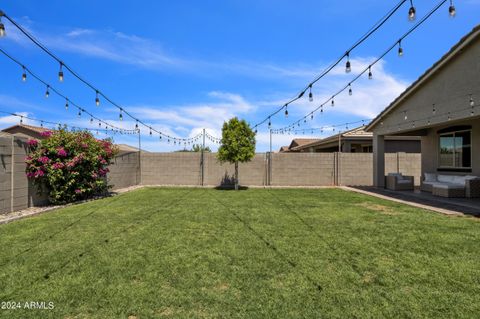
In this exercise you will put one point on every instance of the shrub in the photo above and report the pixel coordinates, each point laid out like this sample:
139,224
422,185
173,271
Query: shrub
69,165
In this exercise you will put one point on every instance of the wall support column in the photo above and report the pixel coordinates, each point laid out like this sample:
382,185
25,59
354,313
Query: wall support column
378,160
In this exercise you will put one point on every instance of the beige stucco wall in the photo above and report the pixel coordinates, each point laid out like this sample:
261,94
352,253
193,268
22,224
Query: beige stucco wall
449,89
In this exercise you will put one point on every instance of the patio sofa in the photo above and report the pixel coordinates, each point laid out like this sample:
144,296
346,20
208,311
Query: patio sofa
451,185
399,182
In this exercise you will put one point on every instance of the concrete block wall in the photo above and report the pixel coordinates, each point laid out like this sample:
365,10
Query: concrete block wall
182,168
125,170
411,165
302,169
355,169
252,173
5,174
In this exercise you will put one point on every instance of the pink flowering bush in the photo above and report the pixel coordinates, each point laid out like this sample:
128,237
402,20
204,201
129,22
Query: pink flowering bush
70,165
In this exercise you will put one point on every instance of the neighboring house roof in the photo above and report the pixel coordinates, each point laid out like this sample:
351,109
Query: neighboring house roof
284,149
302,141
36,129
453,52
355,133
127,148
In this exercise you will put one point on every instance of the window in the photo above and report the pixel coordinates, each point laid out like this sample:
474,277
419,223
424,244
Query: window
456,150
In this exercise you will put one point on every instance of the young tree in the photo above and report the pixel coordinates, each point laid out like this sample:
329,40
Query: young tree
237,145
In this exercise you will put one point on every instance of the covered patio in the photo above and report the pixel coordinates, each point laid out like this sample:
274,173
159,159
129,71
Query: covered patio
443,108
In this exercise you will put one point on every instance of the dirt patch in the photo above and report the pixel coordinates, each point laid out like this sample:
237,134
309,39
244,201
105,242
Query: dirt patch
222,287
368,277
166,312
386,210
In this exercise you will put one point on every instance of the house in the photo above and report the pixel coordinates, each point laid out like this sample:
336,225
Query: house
443,107
357,140
26,130
296,143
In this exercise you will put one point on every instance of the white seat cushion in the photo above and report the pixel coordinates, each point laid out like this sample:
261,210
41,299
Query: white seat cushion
446,178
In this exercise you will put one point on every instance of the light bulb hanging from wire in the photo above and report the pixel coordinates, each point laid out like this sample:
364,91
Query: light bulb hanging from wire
412,12
60,73
333,101
350,92
269,123
66,104
286,110
97,99
370,75
310,94
348,65
24,74
136,125
47,92
2,26
451,10
79,113
472,102
120,116
405,115
400,49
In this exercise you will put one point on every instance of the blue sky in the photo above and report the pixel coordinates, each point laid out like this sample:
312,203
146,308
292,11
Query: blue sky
187,65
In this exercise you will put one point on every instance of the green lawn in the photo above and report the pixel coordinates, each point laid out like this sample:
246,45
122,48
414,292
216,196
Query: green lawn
186,253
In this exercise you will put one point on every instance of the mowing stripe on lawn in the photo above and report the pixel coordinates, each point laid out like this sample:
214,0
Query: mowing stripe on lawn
47,275
286,207
267,243
90,213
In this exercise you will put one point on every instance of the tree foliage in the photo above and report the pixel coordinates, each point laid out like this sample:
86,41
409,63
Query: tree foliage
70,165
237,144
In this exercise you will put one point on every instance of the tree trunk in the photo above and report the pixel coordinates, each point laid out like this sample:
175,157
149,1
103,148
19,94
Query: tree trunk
236,176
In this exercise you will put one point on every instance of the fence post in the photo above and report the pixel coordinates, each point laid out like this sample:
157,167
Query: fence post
12,170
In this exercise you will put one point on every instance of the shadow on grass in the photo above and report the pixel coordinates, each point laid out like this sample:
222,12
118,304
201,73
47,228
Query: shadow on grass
230,188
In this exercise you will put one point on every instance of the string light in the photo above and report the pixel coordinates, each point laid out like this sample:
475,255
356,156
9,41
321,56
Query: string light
350,92
400,49
333,101
2,26
411,12
434,110
79,113
348,66
310,94
449,116
66,104
21,119
269,123
286,110
60,73
451,10
91,120
41,124
121,115
472,102
47,92
370,75
405,116
97,99
24,74
136,125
